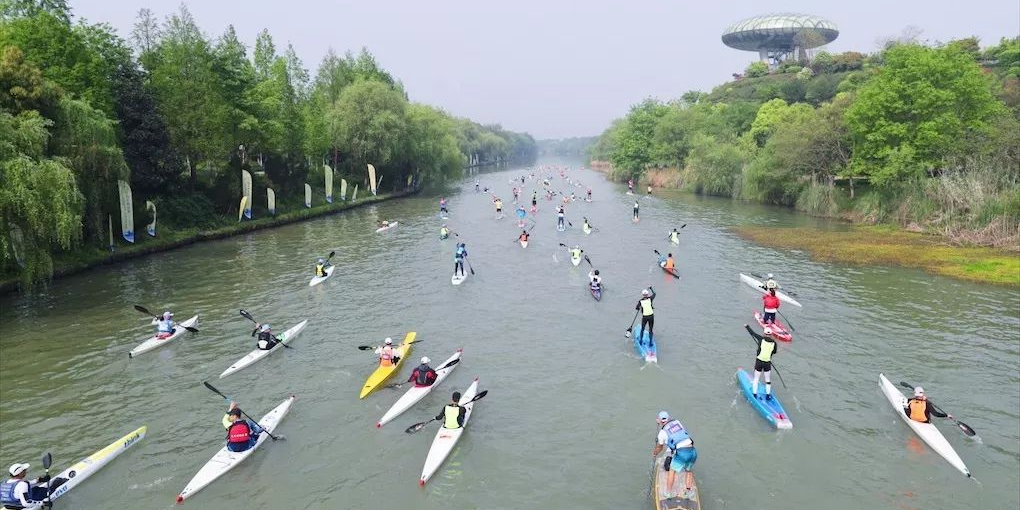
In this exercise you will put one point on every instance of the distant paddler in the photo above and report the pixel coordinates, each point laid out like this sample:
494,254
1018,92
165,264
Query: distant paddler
444,232
770,305
647,310
637,211
630,186
521,214
321,266
920,410
499,206
266,339
649,190
559,217
674,236
442,206
458,259
595,280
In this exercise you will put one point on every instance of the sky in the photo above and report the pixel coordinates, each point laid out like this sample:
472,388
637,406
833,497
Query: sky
555,68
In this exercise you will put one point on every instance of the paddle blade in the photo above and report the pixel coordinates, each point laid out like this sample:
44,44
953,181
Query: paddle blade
365,347
143,309
47,460
450,364
331,255
191,329
480,395
416,427
966,428
657,252
248,316
905,385
214,390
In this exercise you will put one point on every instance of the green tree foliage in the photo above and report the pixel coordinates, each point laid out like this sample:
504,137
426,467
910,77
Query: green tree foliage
154,163
634,139
756,69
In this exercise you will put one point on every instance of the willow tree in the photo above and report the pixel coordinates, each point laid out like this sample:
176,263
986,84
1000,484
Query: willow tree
368,124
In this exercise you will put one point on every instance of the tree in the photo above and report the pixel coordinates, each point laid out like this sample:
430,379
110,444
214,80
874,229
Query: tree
265,54
634,142
823,63
368,123
773,114
144,135
146,31
756,69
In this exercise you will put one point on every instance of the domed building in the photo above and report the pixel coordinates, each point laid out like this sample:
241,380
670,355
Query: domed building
778,37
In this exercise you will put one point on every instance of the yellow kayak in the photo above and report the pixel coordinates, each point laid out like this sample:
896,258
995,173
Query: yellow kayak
382,373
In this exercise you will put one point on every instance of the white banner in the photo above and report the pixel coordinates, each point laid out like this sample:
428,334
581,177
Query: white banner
343,189
355,195
127,215
308,195
246,192
371,178
329,182
271,199
242,208
151,227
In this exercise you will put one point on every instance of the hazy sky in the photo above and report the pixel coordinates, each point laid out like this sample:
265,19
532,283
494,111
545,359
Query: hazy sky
555,68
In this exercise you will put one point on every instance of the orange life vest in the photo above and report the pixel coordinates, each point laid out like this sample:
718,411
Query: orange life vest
670,264
386,356
917,410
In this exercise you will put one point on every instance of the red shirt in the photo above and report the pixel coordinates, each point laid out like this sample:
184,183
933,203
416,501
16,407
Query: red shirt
770,301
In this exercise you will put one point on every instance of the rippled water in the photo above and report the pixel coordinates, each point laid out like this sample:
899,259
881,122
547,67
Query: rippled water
569,419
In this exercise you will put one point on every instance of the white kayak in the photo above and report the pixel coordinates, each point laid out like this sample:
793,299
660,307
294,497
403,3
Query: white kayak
446,439
760,287
387,227
415,393
319,279
458,279
928,432
576,261
154,342
524,244
258,354
586,229
225,460
81,470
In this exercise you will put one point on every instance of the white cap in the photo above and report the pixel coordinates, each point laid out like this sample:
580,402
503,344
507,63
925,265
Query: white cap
389,341
663,416
918,392
18,468
770,275
266,327
167,314
645,292
425,359
768,330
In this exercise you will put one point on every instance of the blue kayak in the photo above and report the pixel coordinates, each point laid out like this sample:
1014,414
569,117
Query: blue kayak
771,410
645,347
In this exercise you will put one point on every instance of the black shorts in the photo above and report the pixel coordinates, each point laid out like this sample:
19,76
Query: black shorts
762,366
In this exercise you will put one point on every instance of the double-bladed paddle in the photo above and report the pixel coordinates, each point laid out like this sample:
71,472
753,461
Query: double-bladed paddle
760,277
444,367
418,426
146,311
216,391
47,461
248,316
370,348
963,426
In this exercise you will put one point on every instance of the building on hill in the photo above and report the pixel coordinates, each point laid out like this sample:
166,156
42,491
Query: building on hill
779,37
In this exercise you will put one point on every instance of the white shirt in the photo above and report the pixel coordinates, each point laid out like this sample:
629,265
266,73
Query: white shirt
662,437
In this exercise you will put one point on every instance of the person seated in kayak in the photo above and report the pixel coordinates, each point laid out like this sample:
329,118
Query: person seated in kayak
668,263
920,410
589,193
647,312
242,434
767,348
587,226
442,205
524,236
423,375
384,223
674,236
770,283
387,353
576,251
499,206
682,454
559,217
770,305
637,209
320,268
452,414
458,259
19,492
444,232
165,326
266,339
596,280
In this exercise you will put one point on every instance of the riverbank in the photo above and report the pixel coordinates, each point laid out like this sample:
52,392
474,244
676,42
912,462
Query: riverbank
74,262
888,245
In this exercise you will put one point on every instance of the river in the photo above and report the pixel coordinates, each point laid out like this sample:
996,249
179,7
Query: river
570,416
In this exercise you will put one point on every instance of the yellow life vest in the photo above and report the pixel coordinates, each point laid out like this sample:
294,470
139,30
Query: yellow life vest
451,412
767,348
646,307
320,270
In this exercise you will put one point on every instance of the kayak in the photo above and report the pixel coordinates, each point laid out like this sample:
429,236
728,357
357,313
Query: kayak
672,272
458,279
595,293
381,373
646,347
586,229
319,279
81,470
387,227
675,242
225,460
771,410
446,439
929,433
666,501
757,284
576,261
416,393
778,329
524,244
258,354
154,342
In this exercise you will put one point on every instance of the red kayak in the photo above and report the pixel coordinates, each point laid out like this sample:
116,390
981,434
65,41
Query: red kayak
778,330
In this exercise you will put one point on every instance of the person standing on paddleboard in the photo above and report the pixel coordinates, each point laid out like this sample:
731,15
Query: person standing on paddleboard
458,259
630,186
637,210
920,410
559,217
770,305
242,434
165,326
589,194
442,206
452,414
649,190
763,360
19,492
423,375
499,206
682,453
266,339
647,312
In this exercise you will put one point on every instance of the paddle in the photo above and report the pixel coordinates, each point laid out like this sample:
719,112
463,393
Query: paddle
216,391
588,260
147,312
370,348
47,461
444,367
776,370
760,277
788,323
963,426
418,426
468,261
248,316
671,272
631,328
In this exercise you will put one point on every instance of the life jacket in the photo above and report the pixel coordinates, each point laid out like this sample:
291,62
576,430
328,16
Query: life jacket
460,254
239,432
670,264
422,374
771,303
917,410
675,434
646,307
165,326
452,414
386,355
524,237
7,493
767,349
320,270
499,204
444,232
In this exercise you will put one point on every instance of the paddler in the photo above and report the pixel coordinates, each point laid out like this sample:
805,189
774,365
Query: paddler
458,258
476,185
630,186
444,232
499,206
387,354
384,223
587,226
534,200
559,217
637,210
320,268
452,413
649,190
589,194
770,283
596,280
576,251
442,206
920,410
165,326
669,264
423,375
524,236
767,348
674,236
647,312
19,492
242,434
266,338
682,453
770,305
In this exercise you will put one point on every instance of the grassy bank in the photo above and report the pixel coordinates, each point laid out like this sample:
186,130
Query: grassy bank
885,245
68,263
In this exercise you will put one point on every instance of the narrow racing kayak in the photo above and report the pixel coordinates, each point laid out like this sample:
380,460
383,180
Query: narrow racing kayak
154,342
672,272
928,432
446,439
645,347
586,229
771,410
576,261
381,373
258,354
81,470
458,279
524,244
596,294
319,279
416,393
778,329
225,460
387,227
664,500
760,287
